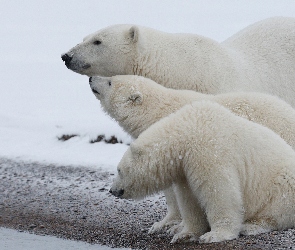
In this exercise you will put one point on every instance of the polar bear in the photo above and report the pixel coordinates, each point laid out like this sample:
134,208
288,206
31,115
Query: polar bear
136,103
260,58
237,176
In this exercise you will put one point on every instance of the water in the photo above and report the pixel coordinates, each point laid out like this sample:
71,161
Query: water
14,240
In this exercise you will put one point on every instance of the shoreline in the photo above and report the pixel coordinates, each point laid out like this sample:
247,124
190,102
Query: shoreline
74,203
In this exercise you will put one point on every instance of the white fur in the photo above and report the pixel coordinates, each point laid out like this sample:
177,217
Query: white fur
238,176
260,58
137,103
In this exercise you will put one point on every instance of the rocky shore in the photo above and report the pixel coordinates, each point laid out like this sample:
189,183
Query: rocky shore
74,203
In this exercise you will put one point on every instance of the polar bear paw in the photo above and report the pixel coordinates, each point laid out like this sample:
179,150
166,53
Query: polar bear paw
163,225
175,229
185,237
217,236
253,229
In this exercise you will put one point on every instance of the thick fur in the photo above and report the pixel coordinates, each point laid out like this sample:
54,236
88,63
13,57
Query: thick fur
237,175
260,58
137,103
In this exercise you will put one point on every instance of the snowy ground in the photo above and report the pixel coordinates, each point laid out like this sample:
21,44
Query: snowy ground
41,99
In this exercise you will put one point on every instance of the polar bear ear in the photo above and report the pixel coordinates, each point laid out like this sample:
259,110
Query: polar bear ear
136,98
134,33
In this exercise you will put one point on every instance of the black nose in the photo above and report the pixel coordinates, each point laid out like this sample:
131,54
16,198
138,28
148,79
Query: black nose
118,193
90,79
121,192
66,58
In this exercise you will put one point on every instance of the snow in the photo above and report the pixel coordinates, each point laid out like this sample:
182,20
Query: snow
41,99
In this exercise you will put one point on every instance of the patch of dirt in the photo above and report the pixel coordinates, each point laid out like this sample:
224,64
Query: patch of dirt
100,138
112,140
66,137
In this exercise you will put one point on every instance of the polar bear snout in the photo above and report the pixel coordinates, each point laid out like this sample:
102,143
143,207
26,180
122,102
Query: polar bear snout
67,59
94,91
117,193
92,86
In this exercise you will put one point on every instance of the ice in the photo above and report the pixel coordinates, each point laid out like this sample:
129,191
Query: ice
14,240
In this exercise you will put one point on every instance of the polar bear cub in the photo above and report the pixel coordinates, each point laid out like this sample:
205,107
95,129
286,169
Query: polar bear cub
136,103
241,175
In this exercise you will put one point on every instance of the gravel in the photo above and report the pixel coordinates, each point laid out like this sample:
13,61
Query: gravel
74,203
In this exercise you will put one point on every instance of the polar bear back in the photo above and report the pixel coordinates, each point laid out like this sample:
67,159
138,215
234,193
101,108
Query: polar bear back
266,53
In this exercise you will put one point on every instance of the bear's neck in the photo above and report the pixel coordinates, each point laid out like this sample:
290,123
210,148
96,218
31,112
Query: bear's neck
201,64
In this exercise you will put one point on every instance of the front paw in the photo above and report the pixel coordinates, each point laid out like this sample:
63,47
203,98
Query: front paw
162,225
253,229
176,229
185,237
217,236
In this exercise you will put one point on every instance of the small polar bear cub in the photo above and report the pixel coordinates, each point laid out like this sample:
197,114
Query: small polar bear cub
239,176
136,102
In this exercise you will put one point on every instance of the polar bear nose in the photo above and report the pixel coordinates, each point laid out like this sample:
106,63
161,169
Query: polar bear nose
118,193
90,79
66,58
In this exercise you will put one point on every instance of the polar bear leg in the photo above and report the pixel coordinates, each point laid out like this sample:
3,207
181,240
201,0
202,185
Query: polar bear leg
194,222
173,216
222,200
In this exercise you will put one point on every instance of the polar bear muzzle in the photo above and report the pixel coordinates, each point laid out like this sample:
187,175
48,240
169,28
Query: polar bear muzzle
92,86
67,59
117,193
74,64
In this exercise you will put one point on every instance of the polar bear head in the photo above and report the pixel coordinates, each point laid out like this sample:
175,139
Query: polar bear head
106,52
138,173
129,100
119,95
137,102
124,184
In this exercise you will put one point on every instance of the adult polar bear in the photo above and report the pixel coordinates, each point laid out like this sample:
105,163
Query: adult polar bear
128,99
260,58
237,176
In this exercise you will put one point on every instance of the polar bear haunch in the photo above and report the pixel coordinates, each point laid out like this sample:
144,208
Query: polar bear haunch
240,174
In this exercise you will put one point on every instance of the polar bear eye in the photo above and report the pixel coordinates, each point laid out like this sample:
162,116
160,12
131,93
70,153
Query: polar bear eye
97,42
110,83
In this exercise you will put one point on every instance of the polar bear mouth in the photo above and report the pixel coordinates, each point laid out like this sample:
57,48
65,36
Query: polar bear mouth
95,92
86,66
